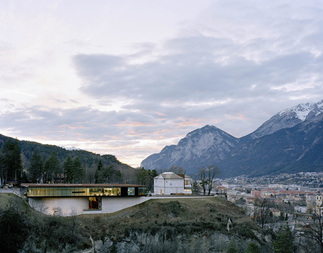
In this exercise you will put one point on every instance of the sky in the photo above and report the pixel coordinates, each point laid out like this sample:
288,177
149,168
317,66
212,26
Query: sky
129,77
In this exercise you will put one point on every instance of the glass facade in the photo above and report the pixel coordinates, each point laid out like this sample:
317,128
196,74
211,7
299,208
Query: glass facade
85,191
142,191
131,191
112,191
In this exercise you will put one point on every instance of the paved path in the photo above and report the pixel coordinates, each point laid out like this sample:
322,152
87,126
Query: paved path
15,191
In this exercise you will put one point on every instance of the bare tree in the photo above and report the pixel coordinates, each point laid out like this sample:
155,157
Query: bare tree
312,238
262,211
177,170
213,171
207,176
204,179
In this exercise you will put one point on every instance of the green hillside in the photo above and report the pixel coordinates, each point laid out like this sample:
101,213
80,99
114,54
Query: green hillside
163,225
89,161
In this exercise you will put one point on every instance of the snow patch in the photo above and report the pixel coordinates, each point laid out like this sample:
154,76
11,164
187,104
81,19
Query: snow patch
320,105
301,111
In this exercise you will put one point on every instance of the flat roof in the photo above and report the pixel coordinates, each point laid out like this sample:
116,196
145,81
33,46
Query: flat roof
79,185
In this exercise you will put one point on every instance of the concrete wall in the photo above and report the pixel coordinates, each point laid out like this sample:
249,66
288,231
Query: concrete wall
79,205
60,206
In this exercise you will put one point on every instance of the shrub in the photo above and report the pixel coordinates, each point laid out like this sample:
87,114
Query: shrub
13,231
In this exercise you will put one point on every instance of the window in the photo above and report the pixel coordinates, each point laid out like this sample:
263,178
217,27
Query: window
95,203
112,191
131,191
96,191
82,191
142,191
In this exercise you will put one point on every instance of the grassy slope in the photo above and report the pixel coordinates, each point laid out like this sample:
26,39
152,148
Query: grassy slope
170,216
183,216
10,200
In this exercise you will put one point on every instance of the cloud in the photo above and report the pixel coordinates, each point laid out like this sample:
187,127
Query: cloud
124,134
176,80
232,65
230,70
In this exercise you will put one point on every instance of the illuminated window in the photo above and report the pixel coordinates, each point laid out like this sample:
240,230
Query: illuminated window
112,191
84,191
96,191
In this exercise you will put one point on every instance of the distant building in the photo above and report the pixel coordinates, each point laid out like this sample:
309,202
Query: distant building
74,199
256,194
319,205
310,199
169,183
275,212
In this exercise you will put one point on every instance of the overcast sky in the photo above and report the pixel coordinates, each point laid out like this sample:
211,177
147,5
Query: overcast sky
129,77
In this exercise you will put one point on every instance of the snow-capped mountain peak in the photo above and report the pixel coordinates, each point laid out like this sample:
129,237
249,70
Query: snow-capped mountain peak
299,146
320,105
301,111
289,118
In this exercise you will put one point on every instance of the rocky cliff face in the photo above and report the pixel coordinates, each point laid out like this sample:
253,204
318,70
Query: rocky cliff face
208,144
165,240
290,141
176,225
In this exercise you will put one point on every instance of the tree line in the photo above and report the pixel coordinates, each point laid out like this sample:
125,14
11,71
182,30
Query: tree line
41,168
36,166
10,162
50,170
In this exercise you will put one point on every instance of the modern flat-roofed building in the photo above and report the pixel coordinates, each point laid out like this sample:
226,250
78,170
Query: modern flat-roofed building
74,199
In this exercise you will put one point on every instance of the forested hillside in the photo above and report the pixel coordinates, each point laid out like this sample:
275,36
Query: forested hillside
36,162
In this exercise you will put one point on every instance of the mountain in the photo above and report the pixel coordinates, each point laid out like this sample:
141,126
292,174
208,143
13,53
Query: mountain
88,159
289,118
209,144
288,150
290,141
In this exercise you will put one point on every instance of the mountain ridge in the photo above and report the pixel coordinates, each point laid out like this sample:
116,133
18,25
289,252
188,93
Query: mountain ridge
272,147
88,159
197,144
289,118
